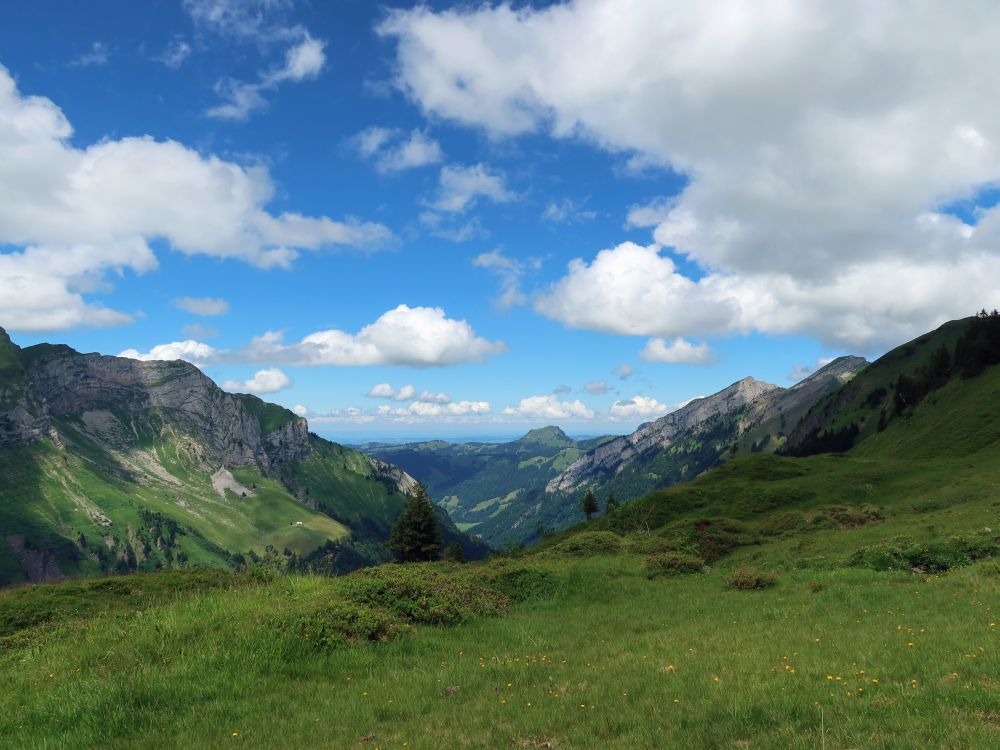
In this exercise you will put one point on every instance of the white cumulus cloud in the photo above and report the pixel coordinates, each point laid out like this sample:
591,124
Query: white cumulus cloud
270,380
678,351
819,163
72,215
549,407
638,407
460,187
195,352
412,336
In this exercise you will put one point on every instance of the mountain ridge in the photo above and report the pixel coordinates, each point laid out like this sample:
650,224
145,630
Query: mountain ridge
101,454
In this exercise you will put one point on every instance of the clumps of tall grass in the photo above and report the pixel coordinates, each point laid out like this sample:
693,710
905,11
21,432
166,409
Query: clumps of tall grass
749,580
939,556
670,563
379,604
589,544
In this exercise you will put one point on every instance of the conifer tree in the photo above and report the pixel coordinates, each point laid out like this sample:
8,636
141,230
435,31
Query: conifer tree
416,536
611,504
589,505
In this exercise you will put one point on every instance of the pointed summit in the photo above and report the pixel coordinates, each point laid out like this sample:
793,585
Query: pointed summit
842,368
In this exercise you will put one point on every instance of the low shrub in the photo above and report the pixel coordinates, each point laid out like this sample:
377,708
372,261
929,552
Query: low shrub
340,623
846,516
589,543
422,594
519,584
782,523
673,563
645,544
925,557
748,580
710,538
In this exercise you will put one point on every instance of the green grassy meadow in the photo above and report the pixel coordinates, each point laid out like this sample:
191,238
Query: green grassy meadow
841,658
880,631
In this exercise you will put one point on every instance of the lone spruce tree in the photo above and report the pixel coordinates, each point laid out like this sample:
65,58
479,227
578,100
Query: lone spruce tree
589,505
416,536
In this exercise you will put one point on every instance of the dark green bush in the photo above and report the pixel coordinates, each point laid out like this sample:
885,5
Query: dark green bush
421,594
673,563
588,543
339,624
748,580
710,538
926,557
782,523
646,544
846,516
519,584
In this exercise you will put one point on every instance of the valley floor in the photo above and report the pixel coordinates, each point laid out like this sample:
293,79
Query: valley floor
842,658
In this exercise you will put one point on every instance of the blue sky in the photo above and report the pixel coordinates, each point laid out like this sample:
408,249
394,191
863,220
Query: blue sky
555,202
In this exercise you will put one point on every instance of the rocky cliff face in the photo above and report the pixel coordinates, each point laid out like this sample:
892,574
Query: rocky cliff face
608,459
753,409
121,401
395,476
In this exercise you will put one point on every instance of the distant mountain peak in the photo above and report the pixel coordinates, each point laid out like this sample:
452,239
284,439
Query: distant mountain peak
843,368
550,435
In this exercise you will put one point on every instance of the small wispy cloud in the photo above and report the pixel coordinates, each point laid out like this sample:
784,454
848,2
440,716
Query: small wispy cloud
303,61
392,151
175,54
98,54
510,272
202,305
567,211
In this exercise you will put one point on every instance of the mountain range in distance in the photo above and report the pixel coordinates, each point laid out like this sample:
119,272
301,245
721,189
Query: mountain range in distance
518,491
111,464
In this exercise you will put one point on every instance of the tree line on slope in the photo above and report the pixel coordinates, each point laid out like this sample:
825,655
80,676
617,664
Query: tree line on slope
977,348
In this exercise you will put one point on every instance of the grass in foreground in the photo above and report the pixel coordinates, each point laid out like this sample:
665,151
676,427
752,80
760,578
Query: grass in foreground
842,658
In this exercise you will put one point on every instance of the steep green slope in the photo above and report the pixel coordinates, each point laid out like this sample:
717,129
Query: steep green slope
572,647
115,465
928,477
862,402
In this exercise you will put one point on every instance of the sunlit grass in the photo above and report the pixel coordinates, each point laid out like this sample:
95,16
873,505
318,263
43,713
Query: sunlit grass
611,659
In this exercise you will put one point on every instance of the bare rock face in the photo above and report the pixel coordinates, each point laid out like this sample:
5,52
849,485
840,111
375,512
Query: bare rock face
394,475
609,458
124,401
749,403
807,392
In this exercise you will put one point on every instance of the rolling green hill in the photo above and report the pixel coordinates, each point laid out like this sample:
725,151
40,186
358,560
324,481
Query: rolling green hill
518,492
930,472
838,600
108,464
485,487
